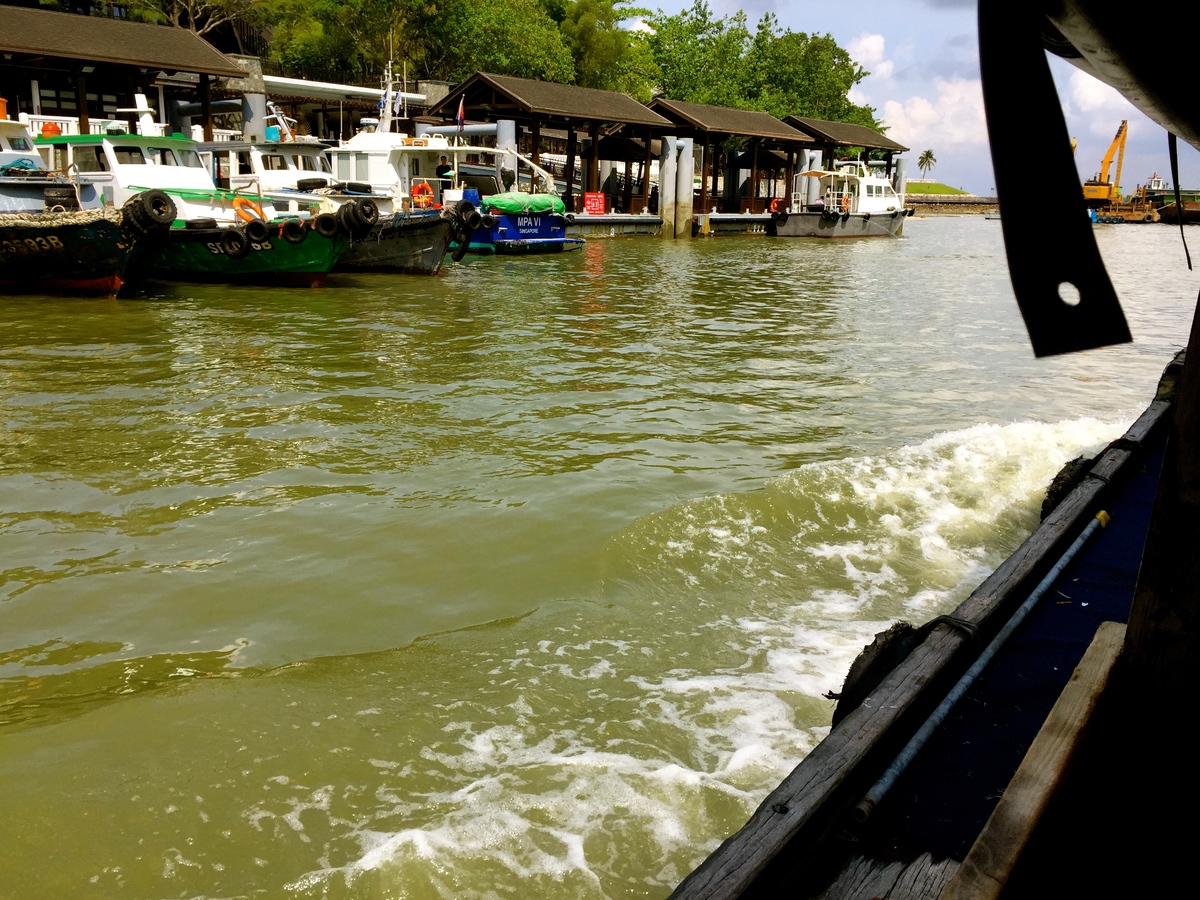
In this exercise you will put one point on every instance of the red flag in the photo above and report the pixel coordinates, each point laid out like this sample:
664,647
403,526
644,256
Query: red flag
460,117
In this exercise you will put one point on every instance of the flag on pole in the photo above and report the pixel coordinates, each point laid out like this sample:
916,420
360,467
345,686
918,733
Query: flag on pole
396,103
460,117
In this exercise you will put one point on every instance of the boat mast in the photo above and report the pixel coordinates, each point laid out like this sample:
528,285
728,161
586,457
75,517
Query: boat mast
385,120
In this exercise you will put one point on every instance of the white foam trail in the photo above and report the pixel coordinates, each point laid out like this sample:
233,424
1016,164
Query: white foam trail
747,609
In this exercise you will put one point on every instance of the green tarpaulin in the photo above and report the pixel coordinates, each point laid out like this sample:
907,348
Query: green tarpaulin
516,202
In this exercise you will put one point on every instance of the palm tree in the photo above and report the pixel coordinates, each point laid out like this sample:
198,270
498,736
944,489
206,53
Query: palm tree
926,162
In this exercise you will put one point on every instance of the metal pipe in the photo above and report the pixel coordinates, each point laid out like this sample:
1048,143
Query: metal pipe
862,811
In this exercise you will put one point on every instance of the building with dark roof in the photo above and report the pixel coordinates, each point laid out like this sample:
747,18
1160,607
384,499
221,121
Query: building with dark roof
49,59
712,126
538,105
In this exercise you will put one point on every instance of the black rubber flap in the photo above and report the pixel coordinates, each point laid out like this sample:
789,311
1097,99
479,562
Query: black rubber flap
1047,233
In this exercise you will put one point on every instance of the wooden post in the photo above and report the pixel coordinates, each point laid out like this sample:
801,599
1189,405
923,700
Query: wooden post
627,194
704,163
570,173
536,149
205,108
646,172
81,103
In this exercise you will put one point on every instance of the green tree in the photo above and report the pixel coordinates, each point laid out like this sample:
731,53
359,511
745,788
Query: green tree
707,59
926,161
597,43
700,56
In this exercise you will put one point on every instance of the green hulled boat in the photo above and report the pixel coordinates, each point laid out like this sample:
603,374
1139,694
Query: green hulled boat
285,255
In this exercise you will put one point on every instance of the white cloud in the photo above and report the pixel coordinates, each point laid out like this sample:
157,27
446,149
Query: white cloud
868,51
1101,107
954,117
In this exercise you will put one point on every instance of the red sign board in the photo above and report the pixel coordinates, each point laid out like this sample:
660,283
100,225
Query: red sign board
593,203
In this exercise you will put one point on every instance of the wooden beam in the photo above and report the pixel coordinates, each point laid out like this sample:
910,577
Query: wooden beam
536,154
1164,623
594,158
570,172
205,108
627,194
646,171
753,175
995,852
85,125
704,163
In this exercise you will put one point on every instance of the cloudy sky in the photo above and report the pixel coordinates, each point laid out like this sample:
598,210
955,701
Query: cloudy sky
924,85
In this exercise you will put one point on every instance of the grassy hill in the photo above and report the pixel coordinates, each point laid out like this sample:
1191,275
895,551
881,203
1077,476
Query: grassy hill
931,187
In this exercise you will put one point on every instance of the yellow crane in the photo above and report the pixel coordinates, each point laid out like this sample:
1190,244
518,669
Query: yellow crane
1099,191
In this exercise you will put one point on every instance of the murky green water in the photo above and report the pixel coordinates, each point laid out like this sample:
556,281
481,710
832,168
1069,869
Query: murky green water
522,581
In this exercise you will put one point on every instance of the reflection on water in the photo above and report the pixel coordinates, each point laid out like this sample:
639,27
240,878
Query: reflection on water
525,579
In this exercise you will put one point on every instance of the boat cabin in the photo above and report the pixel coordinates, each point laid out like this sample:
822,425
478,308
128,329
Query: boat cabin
23,174
270,166
852,187
117,166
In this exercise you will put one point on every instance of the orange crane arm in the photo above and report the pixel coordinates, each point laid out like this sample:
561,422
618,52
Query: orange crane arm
1118,144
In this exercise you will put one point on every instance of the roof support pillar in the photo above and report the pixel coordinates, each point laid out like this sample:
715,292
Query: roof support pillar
646,171
205,108
81,103
791,178
594,158
536,149
753,176
627,194
569,175
705,162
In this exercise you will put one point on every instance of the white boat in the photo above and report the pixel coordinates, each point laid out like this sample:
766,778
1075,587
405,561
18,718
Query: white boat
215,234
851,201
49,243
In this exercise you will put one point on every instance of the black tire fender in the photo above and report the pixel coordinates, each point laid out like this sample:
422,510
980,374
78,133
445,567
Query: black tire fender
200,224
157,207
293,231
257,231
234,243
326,225
367,212
307,185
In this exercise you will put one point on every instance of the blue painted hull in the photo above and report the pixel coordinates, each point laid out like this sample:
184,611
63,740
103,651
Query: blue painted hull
523,233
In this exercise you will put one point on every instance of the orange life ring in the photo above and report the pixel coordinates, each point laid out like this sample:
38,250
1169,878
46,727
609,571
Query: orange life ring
776,204
422,195
247,209
845,203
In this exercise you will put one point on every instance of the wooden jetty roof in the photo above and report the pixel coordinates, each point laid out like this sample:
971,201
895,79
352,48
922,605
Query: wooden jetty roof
726,120
844,134
487,96
41,33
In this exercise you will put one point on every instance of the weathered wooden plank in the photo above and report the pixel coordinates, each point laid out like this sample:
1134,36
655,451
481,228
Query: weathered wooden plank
866,878
924,878
863,879
806,802
995,852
